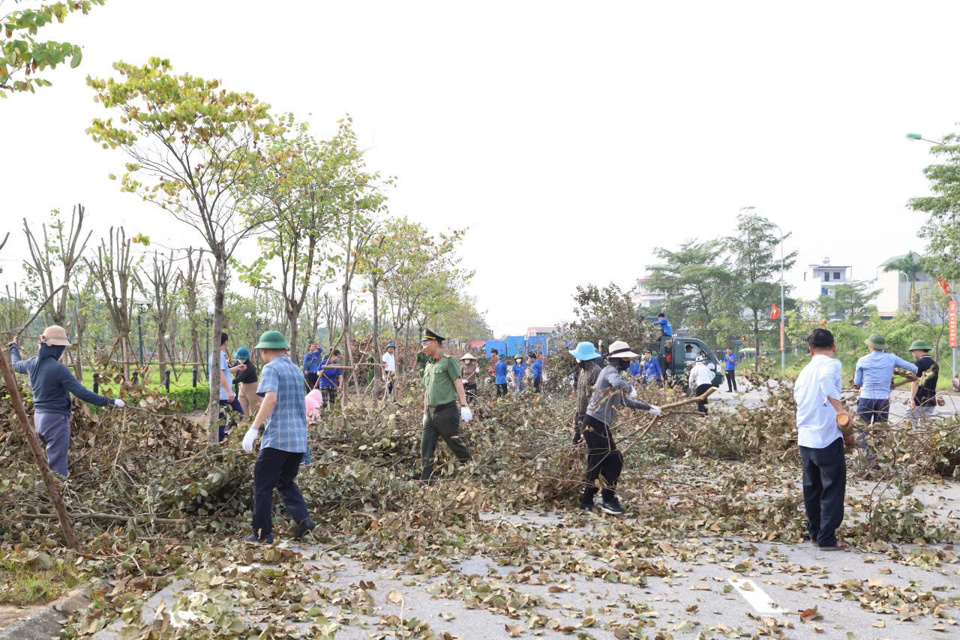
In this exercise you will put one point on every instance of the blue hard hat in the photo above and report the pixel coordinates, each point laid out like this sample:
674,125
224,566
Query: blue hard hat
242,354
585,351
390,344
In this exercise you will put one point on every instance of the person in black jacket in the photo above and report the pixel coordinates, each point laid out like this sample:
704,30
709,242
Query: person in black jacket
247,378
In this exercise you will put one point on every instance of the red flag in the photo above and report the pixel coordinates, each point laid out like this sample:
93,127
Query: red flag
774,312
944,285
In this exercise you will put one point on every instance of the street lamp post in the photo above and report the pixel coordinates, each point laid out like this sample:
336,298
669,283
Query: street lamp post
953,347
783,353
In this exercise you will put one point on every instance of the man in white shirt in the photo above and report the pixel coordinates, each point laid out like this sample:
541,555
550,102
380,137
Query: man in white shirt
817,392
389,367
701,379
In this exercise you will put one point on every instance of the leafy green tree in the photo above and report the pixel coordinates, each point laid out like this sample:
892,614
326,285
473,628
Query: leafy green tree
850,302
22,57
757,268
192,148
296,190
942,228
909,266
697,282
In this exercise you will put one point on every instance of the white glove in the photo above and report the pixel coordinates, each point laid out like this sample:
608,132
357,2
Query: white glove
655,410
118,403
633,394
250,438
425,419
465,414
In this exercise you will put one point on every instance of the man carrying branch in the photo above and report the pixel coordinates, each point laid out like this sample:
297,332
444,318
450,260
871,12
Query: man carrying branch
51,384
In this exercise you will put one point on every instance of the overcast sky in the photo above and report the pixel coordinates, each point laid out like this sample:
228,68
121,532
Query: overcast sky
571,138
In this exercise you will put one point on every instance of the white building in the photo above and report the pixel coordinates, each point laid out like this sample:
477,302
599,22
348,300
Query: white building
820,279
646,298
894,288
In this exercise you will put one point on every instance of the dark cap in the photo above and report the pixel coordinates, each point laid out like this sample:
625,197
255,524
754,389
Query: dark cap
430,335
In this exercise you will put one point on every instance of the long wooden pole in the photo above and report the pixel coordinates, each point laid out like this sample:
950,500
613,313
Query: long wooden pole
53,486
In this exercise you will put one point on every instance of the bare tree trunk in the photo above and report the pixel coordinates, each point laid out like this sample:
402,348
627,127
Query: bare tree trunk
220,290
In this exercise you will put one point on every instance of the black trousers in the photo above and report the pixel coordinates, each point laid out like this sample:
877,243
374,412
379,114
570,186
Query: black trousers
470,390
228,421
699,391
501,390
603,459
445,424
276,469
731,380
824,488
329,395
311,379
536,384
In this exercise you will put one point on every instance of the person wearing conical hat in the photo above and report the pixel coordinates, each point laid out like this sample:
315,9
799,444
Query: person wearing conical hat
443,388
604,460
923,395
51,384
284,442
468,369
874,376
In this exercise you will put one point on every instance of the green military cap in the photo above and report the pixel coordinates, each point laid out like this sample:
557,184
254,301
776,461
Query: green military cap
876,341
272,340
920,345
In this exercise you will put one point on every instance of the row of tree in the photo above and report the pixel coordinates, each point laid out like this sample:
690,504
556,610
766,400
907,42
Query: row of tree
223,164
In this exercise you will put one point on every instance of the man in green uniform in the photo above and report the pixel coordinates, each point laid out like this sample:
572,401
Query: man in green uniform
443,387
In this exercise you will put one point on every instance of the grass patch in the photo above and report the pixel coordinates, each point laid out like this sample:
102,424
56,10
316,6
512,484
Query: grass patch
33,577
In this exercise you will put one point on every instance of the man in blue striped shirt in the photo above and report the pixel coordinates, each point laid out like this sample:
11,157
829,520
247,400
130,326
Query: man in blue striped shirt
284,441
874,377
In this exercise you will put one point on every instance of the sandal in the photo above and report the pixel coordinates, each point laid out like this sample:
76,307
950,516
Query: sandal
840,546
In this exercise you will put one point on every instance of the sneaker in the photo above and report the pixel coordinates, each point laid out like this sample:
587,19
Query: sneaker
304,528
586,505
612,506
258,540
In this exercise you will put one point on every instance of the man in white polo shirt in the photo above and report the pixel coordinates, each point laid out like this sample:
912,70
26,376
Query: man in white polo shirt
817,392
389,367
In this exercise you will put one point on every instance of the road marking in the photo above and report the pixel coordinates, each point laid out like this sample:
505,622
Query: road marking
755,596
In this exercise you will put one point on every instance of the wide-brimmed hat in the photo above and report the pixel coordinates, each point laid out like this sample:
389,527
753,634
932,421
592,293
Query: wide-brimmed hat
876,341
272,340
621,349
920,345
585,351
242,354
55,336
468,356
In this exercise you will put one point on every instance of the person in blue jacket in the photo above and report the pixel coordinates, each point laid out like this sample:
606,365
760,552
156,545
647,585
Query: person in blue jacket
536,370
331,380
634,369
651,369
311,365
730,369
519,373
51,384
500,377
664,325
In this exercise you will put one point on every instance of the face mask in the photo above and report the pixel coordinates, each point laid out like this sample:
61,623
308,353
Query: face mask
622,365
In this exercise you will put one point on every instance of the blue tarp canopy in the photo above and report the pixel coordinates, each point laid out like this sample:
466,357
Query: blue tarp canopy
516,346
537,345
499,345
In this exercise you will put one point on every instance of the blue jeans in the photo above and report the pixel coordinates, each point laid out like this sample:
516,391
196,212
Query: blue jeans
874,410
824,488
53,430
